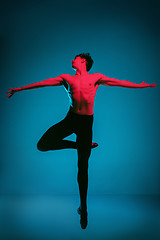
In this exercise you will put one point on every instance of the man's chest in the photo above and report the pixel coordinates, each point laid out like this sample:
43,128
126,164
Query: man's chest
81,84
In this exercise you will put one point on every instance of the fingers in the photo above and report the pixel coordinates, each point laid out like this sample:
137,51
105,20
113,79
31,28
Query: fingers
150,85
11,92
153,85
11,89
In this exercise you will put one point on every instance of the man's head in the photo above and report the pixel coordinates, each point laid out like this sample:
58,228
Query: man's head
87,58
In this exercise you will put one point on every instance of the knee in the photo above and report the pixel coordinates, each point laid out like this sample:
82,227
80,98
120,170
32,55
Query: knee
83,163
82,175
82,169
83,172
40,147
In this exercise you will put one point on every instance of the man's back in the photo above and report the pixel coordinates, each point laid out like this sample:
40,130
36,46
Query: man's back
81,90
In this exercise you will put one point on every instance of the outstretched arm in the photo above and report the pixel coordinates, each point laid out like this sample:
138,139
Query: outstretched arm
57,81
103,80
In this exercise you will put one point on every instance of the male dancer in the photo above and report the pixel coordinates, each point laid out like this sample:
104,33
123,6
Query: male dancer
81,89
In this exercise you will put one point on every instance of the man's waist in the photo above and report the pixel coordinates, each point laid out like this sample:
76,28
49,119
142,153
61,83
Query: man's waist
80,112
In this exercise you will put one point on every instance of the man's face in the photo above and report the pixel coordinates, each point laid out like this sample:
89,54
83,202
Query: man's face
76,63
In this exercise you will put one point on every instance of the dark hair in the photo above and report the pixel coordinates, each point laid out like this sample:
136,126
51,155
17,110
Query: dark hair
88,59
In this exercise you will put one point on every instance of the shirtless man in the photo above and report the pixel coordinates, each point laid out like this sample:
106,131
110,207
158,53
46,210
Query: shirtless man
81,89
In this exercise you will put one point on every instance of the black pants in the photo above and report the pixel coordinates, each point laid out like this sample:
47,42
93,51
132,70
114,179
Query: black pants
52,139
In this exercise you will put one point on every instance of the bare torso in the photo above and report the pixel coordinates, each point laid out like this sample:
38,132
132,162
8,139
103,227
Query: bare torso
81,90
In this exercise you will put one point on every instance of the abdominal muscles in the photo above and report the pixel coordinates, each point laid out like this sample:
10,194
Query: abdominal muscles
81,93
82,102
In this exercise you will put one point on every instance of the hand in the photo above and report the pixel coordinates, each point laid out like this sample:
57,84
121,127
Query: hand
11,92
143,84
153,85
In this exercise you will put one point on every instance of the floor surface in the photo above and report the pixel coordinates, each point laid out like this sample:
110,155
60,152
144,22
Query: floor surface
110,217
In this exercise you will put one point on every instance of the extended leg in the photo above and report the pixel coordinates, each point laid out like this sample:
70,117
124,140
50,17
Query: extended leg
84,142
82,178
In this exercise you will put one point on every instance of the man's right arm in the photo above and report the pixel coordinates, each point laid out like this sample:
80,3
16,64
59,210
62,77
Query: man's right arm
57,81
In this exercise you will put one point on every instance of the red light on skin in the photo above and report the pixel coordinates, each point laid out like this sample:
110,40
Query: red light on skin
73,63
78,62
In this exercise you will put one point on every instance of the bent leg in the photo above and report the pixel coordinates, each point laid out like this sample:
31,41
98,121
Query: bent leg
53,137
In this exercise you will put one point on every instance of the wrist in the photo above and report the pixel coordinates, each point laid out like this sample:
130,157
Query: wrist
17,89
147,85
144,85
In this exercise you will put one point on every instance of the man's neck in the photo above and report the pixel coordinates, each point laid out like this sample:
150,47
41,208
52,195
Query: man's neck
81,73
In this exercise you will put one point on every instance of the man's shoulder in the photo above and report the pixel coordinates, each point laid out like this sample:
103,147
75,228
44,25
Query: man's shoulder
98,74
65,76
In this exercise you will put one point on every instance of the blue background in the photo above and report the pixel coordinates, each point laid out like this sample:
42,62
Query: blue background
38,41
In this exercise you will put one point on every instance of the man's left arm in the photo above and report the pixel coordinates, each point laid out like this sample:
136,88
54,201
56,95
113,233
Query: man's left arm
106,81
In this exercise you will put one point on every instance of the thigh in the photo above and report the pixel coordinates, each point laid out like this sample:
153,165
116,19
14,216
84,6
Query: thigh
84,139
84,143
84,132
57,132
